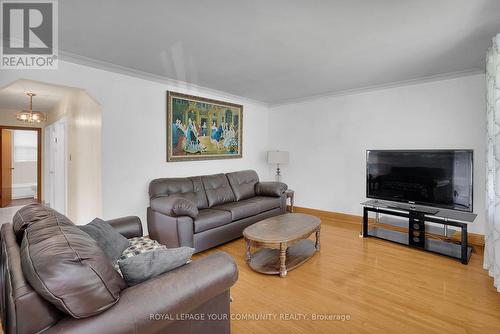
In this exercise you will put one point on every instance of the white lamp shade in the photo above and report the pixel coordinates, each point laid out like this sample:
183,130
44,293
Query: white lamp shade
278,157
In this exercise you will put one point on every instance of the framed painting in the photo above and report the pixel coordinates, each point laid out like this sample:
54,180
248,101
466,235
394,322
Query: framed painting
201,129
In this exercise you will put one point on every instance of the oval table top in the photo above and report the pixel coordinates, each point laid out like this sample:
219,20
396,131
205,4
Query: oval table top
283,228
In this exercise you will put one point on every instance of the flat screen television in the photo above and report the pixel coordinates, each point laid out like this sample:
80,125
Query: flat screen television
439,178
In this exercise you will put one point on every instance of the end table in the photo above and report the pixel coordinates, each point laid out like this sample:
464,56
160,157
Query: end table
290,194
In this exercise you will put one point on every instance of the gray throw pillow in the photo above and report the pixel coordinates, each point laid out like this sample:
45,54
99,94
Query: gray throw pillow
142,267
107,238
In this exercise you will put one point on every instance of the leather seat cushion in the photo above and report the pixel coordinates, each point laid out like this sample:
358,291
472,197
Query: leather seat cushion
241,209
266,203
65,266
209,218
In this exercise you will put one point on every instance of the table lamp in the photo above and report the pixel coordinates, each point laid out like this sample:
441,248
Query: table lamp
277,158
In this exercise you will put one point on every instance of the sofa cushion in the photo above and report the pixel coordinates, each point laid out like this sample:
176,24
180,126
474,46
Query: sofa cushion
142,267
23,310
266,203
66,266
241,209
199,190
27,215
243,183
210,218
139,245
169,186
110,240
217,189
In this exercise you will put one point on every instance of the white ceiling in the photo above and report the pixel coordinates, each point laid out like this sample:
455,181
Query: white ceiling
13,96
274,51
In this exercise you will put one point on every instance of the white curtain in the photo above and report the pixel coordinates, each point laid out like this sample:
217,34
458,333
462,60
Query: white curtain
492,235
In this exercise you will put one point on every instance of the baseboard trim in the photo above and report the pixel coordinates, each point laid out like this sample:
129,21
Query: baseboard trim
474,239
337,216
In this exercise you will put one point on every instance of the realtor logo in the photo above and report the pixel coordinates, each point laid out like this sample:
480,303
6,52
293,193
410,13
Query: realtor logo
29,34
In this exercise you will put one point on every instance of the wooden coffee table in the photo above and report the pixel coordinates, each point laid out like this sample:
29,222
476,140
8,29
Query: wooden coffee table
283,242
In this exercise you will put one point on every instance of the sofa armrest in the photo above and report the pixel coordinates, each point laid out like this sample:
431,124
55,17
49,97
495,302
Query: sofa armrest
170,231
275,189
174,206
150,307
129,227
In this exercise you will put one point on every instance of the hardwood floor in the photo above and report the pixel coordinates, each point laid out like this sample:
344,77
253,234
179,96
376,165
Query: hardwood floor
21,202
381,286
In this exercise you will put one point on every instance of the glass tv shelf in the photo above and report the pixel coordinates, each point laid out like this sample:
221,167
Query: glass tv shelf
418,216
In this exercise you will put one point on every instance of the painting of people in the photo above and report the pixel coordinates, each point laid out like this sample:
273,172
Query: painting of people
200,128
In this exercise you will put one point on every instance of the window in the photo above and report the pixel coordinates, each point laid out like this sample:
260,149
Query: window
25,145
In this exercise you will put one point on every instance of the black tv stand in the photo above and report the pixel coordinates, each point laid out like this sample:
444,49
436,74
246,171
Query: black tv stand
418,216
409,207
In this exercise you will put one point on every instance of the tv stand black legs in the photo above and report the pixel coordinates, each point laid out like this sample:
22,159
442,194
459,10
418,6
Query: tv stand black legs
416,235
365,222
464,245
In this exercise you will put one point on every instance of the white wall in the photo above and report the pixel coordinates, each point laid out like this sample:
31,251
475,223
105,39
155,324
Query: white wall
327,137
134,133
84,157
84,166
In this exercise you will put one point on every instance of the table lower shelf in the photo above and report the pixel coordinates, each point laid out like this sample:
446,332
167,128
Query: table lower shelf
267,261
435,246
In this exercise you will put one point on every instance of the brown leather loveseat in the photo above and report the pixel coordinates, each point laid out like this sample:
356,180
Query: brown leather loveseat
191,299
206,211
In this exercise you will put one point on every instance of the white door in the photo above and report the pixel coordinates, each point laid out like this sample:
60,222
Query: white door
56,165
47,167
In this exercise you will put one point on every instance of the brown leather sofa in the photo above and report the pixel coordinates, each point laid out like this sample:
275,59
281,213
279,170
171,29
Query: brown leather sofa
206,211
179,301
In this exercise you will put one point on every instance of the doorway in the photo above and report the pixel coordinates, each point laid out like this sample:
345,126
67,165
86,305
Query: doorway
71,166
20,165
56,168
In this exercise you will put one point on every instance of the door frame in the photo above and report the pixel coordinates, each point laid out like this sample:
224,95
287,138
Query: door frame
39,155
52,163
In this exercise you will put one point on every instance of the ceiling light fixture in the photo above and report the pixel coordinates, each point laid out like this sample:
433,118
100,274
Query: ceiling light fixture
31,116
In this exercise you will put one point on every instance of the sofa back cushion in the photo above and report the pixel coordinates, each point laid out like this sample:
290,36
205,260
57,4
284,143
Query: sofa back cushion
179,186
66,266
23,310
243,183
217,189
29,214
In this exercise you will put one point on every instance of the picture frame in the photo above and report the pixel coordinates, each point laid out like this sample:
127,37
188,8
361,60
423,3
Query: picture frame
199,128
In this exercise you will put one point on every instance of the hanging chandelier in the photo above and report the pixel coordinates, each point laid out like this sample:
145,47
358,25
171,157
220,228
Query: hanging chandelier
30,115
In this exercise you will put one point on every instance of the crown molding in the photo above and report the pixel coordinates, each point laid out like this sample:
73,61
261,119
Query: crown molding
189,87
178,84
394,84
